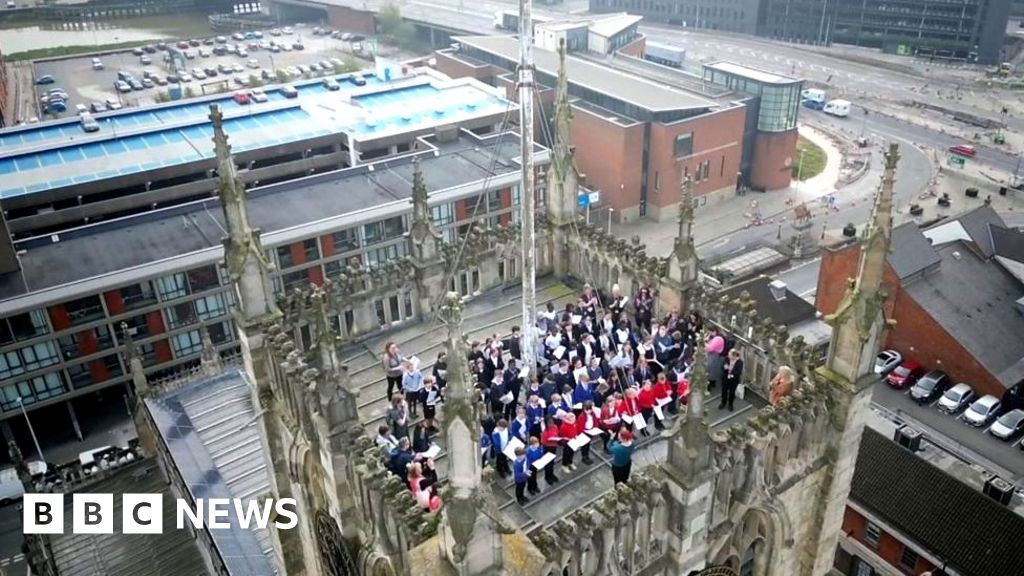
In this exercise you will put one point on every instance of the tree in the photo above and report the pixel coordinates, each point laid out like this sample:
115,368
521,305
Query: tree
393,28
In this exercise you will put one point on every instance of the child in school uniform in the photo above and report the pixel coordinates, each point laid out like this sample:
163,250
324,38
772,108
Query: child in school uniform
534,452
521,472
549,440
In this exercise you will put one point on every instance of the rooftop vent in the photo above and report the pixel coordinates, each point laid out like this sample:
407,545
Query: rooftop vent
957,255
778,288
999,490
449,133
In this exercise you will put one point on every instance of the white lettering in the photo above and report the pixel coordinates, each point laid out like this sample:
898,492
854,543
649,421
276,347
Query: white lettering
253,511
282,508
194,516
218,508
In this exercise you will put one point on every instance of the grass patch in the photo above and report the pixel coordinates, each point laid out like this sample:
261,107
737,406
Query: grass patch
814,159
58,51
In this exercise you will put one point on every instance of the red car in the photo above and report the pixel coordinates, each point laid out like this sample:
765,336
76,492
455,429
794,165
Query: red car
242,98
963,150
905,375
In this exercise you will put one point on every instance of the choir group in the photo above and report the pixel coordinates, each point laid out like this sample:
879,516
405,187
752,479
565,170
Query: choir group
607,368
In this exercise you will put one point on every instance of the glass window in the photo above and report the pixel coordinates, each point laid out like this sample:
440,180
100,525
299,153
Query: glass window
333,268
204,278
138,327
187,343
220,332
23,326
408,305
393,306
393,228
211,306
494,200
442,215
378,306
181,315
872,533
284,256
777,111
173,286
392,252
297,279
310,248
909,558
138,295
684,145
84,309
33,390
346,240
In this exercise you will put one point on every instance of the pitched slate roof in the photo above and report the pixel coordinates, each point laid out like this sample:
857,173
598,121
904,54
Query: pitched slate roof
789,310
911,252
976,535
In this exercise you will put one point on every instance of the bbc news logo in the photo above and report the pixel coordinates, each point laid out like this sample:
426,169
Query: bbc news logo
144,513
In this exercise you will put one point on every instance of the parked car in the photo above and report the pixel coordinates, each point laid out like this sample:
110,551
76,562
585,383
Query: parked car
242,53
902,377
183,44
963,150
204,53
289,91
242,98
137,52
46,79
193,43
89,124
298,46
186,77
147,83
208,42
253,63
159,81
237,68
929,387
188,55
983,411
173,79
220,39
224,69
258,95
97,64
124,75
956,399
288,30
97,107
210,71
275,32
113,104
887,361
57,106
331,84
122,86
303,69
1009,425
135,84
81,109
161,45
199,74
357,80
149,49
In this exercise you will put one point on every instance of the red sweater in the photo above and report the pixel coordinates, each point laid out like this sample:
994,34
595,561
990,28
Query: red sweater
607,413
684,388
646,399
549,433
629,406
569,431
663,389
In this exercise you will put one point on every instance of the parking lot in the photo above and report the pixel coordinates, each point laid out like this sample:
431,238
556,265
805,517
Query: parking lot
86,85
1007,455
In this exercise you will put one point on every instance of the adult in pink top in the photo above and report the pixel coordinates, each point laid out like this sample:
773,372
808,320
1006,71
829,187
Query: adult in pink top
716,345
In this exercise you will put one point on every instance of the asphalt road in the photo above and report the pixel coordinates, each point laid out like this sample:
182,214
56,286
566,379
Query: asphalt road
11,561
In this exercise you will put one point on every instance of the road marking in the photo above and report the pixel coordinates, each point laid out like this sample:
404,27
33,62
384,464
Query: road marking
12,560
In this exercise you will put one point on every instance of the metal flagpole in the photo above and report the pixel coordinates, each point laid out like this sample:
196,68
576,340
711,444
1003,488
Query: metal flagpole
529,247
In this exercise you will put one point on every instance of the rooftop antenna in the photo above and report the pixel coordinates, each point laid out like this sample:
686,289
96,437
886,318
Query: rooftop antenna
529,248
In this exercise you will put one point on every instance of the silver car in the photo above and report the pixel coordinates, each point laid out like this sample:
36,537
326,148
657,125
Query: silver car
887,361
955,399
982,411
1009,425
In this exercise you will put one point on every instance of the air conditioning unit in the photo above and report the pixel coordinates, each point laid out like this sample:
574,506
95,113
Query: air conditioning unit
998,489
908,437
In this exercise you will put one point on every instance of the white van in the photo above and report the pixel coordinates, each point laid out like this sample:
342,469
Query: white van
11,489
840,108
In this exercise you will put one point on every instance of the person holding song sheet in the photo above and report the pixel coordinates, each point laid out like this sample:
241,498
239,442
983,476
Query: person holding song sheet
431,398
629,411
585,423
622,456
499,440
646,401
520,426
663,394
568,431
550,440
534,452
611,422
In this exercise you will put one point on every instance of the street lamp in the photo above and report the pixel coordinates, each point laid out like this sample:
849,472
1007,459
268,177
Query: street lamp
31,430
610,210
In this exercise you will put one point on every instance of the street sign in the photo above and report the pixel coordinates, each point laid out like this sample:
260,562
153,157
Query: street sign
585,200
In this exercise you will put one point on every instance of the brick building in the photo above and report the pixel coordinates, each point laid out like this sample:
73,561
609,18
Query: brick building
905,516
635,138
956,292
4,112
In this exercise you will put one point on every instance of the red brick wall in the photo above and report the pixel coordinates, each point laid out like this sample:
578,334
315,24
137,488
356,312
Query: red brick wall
915,335
316,275
59,317
115,303
635,48
351,20
768,168
611,157
455,68
715,137
327,245
5,119
889,547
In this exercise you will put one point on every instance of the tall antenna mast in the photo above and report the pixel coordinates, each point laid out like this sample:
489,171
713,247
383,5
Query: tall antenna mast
529,249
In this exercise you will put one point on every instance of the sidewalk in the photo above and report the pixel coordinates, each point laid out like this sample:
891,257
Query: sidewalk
727,216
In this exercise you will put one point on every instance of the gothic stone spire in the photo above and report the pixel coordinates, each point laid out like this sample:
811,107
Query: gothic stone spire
424,235
858,322
564,180
684,263
243,251
462,428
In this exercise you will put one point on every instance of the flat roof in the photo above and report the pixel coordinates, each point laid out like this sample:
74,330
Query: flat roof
409,104
611,25
212,433
141,239
621,86
755,74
